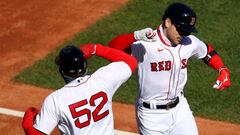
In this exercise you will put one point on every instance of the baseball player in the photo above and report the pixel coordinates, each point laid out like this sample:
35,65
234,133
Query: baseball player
163,57
84,105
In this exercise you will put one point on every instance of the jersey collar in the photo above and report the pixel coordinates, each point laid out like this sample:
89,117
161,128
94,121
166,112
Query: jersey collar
161,36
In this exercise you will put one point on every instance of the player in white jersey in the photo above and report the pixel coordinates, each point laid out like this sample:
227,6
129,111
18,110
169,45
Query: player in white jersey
162,57
84,105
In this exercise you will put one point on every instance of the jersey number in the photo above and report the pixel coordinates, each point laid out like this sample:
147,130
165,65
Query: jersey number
95,114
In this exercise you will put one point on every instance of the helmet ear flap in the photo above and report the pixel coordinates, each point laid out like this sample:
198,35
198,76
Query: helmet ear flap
66,78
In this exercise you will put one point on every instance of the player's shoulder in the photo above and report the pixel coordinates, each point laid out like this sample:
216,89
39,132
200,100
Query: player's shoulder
138,42
191,40
194,38
144,44
51,97
113,72
70,87
112,67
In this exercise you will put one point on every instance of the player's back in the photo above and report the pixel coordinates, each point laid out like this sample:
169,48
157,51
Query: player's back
84,106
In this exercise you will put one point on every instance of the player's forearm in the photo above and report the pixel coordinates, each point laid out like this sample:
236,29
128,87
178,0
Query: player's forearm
213,59
122,42
115,55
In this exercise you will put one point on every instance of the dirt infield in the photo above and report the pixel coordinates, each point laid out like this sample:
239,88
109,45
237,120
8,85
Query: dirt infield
32,29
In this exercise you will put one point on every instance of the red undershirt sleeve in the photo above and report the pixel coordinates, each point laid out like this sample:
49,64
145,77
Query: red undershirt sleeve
213,59
114,55
123,42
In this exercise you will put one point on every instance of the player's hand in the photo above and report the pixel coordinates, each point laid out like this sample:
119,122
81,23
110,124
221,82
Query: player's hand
146,34
223,80
88,50
29,117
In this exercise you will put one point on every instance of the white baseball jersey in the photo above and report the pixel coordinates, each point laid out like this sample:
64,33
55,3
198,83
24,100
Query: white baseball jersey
162,69
84,106
162,75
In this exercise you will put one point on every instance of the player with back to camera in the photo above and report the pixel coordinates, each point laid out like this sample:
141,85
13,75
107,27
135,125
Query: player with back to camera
163,55
84,105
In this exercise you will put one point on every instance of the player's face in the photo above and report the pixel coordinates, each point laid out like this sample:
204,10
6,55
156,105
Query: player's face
174,34
171,33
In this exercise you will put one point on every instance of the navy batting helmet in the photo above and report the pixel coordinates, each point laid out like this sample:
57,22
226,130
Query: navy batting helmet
71,62
182,16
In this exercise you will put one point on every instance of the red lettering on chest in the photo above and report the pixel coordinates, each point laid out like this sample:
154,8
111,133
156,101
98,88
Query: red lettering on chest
166,65
161,66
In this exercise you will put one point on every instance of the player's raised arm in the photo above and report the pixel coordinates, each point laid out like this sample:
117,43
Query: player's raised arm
123,42
213,60
109,53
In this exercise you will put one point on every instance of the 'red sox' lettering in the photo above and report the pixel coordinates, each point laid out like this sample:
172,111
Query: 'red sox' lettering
166,65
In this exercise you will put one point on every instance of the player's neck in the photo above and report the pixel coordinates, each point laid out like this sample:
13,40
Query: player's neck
165,37
163,34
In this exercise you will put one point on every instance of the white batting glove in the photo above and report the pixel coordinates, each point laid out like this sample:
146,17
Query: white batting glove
146,34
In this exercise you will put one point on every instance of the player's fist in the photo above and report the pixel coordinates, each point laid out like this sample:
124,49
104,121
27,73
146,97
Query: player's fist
223,80
146,34
88,50
29,117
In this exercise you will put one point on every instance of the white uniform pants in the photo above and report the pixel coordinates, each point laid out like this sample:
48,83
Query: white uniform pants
175,121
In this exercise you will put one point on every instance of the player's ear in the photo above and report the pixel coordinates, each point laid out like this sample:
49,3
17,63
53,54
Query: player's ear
167,23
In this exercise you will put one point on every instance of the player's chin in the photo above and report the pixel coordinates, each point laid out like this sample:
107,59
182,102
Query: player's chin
176,42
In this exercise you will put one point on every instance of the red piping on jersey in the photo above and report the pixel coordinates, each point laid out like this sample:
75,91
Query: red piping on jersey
169,84
160,37
179,69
